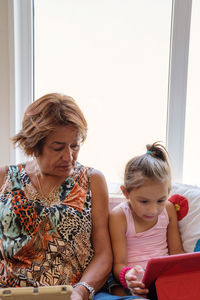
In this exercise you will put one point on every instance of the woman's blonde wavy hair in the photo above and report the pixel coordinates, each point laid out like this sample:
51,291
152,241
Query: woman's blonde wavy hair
43,116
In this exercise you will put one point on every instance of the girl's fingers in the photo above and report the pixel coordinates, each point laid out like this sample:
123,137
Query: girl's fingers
138,291
130,277
135,284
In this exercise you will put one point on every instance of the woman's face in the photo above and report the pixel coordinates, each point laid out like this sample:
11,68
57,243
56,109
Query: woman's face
60,151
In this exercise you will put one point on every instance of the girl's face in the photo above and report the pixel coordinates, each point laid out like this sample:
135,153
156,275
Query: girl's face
149,200
60,151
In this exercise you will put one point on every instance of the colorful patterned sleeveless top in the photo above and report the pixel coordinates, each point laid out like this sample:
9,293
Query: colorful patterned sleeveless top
42,243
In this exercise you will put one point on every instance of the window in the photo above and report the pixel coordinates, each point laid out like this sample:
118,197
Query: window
115,68
112,56
191,172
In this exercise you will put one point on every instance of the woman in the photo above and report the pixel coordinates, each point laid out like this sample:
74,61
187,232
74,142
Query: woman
53,210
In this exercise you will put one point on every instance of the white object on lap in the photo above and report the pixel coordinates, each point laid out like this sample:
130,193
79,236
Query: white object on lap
60,292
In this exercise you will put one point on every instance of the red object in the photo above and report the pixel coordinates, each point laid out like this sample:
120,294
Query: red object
181,286
181,205
174,277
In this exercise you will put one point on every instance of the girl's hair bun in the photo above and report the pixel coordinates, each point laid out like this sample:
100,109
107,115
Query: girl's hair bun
157,150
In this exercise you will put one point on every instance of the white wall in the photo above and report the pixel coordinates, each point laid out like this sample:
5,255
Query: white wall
4,85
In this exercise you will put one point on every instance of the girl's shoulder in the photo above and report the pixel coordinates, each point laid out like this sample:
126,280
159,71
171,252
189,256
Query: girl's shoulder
118,210
117,218
170,208
169,205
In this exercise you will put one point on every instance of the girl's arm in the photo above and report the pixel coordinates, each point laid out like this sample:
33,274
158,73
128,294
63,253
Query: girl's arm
118,227
100,266
117,224
173,236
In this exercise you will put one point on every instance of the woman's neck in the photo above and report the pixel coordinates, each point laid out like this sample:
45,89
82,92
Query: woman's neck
44,183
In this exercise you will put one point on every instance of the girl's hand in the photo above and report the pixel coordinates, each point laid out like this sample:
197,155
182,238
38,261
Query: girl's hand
134,281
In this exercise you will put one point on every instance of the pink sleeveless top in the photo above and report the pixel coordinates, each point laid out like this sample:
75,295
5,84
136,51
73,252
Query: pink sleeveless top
144,245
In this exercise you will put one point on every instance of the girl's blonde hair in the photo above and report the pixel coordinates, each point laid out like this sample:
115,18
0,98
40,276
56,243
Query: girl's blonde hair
152,165
43,116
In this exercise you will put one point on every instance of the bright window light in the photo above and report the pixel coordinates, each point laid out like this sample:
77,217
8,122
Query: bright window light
191,172
112,57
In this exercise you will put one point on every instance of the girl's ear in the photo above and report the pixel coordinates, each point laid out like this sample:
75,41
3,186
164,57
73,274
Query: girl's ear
124,191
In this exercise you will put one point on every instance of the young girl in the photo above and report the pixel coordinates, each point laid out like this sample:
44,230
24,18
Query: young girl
145,225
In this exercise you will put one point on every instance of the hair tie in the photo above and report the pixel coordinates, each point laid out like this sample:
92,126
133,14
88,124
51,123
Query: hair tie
149,151
122,276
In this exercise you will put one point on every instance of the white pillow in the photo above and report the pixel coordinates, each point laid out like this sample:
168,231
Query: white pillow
189,225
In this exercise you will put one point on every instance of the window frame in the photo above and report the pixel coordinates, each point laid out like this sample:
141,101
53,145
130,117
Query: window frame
20,35
177,84
21,51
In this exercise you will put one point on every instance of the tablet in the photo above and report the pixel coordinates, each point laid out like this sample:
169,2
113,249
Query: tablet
170,265
60,292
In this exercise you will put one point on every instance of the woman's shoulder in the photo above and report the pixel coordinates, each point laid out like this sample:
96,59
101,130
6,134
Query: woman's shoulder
3,174
97,180
11,171
88,173
95,174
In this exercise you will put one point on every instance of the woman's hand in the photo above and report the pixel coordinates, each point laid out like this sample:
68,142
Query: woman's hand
79,293
75,295
134,281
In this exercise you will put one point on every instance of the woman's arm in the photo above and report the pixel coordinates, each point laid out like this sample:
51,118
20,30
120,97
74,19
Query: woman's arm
173,236
99,268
